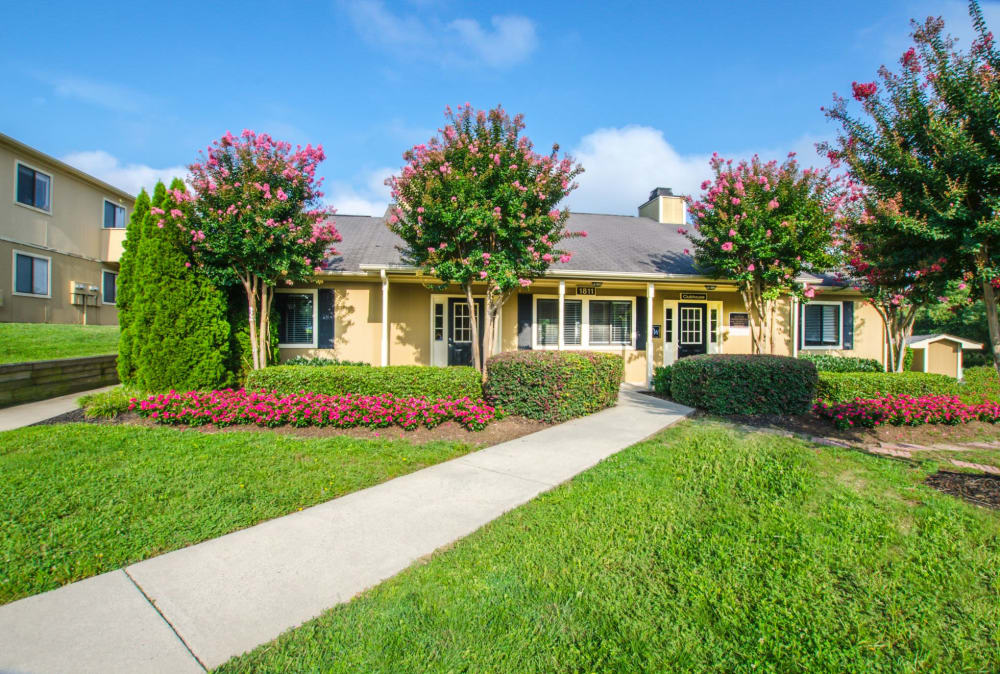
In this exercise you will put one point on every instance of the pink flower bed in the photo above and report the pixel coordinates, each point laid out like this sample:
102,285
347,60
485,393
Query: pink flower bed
904,410
263,408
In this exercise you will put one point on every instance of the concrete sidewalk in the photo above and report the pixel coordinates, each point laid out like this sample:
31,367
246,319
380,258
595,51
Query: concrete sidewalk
31,413
197,607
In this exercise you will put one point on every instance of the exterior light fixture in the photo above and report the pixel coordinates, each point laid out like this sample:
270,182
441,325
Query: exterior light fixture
710,287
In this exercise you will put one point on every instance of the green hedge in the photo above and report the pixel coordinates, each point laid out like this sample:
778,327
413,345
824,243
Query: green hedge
661,380
846,386
397,380
317,362
552,385
980,383
739,384
826,363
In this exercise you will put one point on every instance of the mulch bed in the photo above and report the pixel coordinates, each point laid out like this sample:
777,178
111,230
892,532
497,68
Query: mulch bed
982,490
499,431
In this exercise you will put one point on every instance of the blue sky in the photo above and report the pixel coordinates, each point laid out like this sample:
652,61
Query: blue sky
641,92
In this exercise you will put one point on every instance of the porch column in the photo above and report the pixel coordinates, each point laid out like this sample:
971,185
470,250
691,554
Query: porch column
562,313
385,318
650,291
795,327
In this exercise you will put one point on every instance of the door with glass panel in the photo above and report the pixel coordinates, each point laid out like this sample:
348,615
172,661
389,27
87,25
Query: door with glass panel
460,330
691,330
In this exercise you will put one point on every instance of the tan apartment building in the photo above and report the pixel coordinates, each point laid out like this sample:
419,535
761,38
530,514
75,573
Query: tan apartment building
61,234
631,288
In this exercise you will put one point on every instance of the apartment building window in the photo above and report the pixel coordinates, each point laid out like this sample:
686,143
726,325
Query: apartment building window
34,188
610,322
547,322
296,318
114,215
109,287
821,325
31,274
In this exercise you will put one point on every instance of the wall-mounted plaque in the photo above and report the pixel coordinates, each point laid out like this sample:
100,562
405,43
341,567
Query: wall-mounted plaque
585,291
739,320
656,331
694,296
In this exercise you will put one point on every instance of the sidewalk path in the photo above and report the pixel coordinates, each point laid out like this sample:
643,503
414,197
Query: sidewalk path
199,606
31,413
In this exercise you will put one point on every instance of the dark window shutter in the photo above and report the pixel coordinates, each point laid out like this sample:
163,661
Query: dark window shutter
640,324
524,322
326,319
802,324
848,332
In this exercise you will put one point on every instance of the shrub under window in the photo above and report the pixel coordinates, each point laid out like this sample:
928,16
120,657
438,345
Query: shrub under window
738,384
398,380
553,385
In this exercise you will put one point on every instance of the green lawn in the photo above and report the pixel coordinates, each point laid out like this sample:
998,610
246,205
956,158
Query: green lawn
20,342
701,549
77,500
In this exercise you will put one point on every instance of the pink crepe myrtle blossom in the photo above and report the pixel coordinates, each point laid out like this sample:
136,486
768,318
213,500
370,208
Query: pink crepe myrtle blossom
481,184
751,267
727,246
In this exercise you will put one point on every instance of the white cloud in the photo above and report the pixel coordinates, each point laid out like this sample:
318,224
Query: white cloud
367,195
128,177
511,41
623,164
103,94
461,41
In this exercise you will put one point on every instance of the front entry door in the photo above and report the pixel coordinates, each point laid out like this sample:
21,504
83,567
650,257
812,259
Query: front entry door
692,330
460,330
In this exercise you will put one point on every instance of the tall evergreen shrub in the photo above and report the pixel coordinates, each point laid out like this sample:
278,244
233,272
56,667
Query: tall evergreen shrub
178,318
126,284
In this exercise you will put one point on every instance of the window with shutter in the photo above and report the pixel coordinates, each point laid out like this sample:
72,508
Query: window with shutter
821,325
572,322
295,312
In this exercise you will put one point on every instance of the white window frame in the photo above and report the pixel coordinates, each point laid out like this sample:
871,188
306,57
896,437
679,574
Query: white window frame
584,344
315,317
116,205
13,273
840,328
52,181
105,270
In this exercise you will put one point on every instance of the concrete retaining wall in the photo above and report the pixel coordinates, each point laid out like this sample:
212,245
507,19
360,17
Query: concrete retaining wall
41,379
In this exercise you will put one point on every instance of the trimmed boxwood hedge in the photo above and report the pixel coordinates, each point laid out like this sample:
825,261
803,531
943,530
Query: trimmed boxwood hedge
743,384
397,380
553,385
827,363
981,383
839,387
661,380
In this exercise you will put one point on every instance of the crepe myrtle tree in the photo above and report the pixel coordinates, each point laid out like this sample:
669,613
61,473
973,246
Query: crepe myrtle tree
477,205
895,277
762,225
257,221
928,139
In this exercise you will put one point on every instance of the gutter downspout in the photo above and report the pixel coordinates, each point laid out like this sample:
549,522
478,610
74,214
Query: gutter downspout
562,314
385,317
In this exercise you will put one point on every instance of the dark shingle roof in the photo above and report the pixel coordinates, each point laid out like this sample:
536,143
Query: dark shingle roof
614,243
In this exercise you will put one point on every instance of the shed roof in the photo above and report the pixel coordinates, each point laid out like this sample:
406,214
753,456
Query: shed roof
919,341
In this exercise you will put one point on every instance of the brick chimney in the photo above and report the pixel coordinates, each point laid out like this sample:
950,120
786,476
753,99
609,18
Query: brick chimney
664,206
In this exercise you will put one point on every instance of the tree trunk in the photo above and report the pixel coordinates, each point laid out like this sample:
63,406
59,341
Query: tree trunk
992,321
264,334
250,286
476,345
756,310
